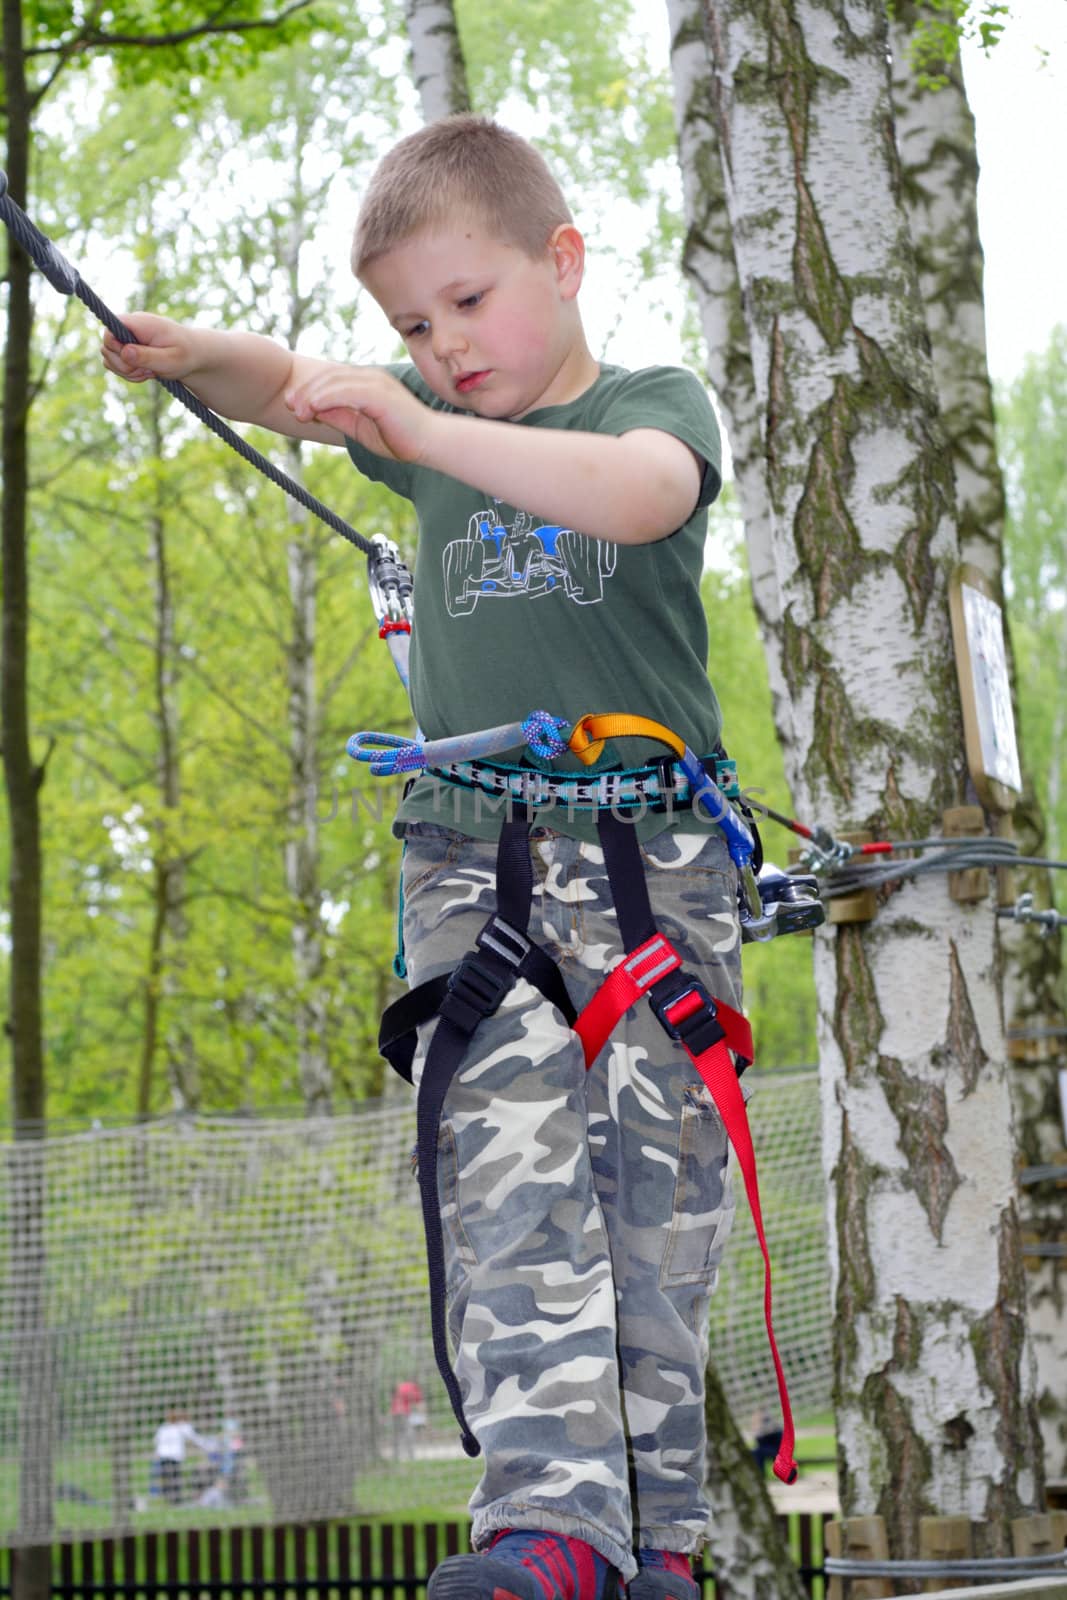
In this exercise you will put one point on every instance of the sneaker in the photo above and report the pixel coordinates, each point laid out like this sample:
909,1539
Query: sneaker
526,1564
663,1575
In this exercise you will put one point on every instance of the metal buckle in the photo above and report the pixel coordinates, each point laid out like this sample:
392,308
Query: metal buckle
389,582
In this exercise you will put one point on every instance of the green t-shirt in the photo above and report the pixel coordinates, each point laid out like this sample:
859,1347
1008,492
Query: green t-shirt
515,615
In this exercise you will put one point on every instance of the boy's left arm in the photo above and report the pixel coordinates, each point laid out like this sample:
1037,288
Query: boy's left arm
632,488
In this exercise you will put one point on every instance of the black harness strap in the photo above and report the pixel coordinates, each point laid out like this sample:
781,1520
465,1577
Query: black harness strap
461,1001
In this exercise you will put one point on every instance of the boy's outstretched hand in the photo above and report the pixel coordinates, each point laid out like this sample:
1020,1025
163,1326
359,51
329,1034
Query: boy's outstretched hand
368,404
164,349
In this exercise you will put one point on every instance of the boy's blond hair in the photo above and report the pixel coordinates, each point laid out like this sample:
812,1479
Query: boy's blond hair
460,166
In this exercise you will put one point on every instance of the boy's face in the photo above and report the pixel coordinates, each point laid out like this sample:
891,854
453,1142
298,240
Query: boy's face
490,329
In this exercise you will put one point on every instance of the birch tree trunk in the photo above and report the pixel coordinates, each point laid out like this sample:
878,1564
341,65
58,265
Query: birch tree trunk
437,64
750,1556
302,842
933,1369
939,166
302,848
711,268
168,929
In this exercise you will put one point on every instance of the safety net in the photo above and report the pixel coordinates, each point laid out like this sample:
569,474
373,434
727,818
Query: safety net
221,1320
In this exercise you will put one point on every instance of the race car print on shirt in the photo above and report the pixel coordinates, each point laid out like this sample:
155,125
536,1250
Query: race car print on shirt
496,561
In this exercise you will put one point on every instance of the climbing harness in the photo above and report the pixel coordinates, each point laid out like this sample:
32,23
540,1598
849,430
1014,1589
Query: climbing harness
711,1033
770,902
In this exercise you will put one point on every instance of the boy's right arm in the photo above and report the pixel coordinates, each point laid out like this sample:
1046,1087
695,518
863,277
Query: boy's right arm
240,375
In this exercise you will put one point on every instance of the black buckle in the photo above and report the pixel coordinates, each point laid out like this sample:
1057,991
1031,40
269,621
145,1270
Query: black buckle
700,1028
474,992
663,768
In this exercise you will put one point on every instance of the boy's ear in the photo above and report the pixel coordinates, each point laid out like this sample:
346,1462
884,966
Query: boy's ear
567,248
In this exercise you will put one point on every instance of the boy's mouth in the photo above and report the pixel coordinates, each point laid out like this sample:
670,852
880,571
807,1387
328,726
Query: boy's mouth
470,380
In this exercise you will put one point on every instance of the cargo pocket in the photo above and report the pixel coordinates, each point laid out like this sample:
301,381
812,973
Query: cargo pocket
703,1212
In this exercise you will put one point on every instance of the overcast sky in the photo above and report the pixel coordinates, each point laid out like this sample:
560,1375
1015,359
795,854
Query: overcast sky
1019,99
1020,109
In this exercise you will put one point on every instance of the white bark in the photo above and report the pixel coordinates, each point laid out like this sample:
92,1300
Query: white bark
933,1367
939,167
939,163
437,58
712,270
749,1555
302,841
302,847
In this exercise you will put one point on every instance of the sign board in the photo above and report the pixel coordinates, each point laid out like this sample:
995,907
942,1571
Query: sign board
985,689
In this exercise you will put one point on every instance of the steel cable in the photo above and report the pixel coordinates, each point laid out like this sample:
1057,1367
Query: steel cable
67,280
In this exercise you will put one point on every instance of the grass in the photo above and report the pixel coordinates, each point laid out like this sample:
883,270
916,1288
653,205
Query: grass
421,1491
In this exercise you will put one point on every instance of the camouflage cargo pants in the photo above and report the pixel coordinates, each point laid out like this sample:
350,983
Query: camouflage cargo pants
584,1213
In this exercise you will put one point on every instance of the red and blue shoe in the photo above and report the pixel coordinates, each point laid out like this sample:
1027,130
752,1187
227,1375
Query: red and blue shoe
663,1575
526,1564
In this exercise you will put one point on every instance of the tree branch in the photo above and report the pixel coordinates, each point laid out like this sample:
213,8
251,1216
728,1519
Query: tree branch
90,39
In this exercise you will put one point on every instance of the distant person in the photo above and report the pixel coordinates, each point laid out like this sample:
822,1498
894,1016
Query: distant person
232,1465
408,1410
169,1448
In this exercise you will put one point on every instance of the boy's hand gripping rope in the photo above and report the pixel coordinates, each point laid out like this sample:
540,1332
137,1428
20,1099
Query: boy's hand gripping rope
67,280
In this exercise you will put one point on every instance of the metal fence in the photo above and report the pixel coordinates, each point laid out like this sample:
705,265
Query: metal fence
321,1561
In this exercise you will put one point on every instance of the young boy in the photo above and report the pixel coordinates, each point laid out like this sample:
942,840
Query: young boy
562,511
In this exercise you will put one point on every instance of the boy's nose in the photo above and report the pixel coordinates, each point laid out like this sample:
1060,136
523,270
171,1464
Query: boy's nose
447,340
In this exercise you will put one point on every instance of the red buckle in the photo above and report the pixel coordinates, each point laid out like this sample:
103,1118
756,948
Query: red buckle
690,1015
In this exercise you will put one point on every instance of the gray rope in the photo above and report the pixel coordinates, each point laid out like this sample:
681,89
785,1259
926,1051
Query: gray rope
945,856
990,1567
1042,1174
66,278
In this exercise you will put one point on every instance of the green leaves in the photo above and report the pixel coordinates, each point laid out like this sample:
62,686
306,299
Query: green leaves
1032,430
939,27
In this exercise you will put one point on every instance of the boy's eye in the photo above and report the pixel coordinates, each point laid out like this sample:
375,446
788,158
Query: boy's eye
471,300
415,332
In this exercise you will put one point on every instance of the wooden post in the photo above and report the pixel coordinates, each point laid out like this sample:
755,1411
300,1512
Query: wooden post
1007,877
945,1539
966,822
858,1539
1037,1535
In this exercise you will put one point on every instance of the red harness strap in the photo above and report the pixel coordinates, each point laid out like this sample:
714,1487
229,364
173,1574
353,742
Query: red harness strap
634,976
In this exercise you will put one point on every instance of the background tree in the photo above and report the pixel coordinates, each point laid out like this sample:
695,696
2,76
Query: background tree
1030,418
24,91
